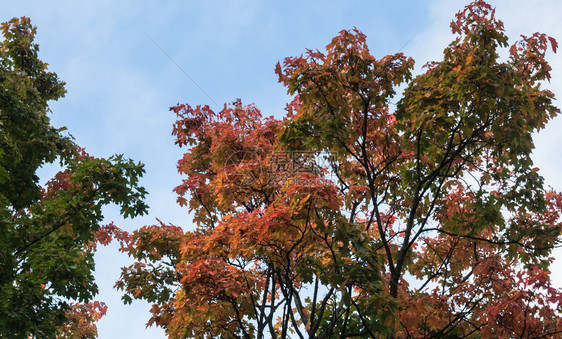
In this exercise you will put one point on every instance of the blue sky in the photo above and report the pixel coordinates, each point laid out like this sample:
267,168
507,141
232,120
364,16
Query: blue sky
120,84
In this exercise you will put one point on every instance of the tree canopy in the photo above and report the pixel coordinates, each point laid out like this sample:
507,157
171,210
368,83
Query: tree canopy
48,234
349,219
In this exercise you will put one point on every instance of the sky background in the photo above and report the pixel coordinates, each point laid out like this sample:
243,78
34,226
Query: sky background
120,84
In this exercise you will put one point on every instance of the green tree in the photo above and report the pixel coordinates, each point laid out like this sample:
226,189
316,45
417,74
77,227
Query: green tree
47,233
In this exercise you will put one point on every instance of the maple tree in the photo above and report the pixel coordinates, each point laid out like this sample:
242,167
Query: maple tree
347,219
48,234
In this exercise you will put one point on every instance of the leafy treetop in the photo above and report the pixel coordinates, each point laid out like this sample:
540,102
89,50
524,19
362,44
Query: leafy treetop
47,233
349,219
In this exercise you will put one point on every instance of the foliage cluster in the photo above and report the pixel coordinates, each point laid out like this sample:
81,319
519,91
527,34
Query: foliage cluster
47,233
429,221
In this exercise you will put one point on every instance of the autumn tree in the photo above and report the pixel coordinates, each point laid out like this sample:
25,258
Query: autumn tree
349,219
47,233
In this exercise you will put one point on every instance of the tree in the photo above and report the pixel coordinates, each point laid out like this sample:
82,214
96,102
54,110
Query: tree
47,233
346,219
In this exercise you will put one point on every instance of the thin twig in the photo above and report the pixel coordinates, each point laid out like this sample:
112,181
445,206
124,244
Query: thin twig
184,72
